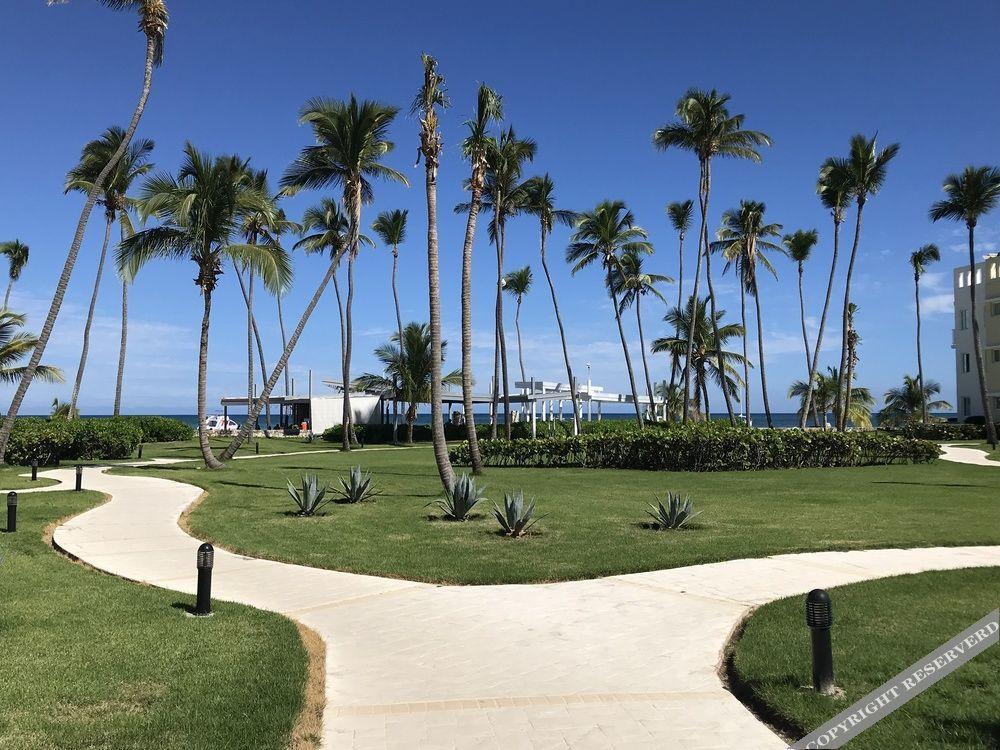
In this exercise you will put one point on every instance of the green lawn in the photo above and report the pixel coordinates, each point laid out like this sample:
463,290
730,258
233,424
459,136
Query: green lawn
594,519
11,479
92,661
190,448
882,627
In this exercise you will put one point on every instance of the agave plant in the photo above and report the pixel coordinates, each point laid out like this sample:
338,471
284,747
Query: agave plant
357,487
515,518
457,504
311,497
674,514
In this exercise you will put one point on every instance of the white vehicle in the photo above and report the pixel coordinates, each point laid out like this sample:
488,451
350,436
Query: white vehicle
215,423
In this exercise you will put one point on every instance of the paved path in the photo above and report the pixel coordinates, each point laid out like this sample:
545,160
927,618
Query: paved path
622,662
963,454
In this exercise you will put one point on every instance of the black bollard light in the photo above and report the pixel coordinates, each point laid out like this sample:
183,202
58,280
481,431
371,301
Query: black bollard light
79,477
140,450
34,470
206,560
11,512
819,618
256,447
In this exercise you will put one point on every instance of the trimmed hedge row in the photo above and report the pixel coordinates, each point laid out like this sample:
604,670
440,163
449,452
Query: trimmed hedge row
707,448
382,433
52,441
941,431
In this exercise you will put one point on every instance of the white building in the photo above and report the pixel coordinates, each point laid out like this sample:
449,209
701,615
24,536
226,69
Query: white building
986,277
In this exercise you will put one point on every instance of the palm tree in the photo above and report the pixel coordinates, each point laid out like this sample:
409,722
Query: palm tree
798,246
604,234
17,258
692,321
971,195
706,129
133,164
407,375
153,19
63,411
390,226
822,398
539,200
15,345
351,141
671,396
126,230
866,170
518,283
200,212
835,189
919,260
428,100
910,402
633,283
679,214
743,238
281,225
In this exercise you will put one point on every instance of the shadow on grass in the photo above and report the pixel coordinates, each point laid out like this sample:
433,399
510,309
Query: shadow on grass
930,484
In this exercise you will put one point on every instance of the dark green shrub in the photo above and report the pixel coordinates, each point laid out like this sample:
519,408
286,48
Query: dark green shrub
161,429
943,431
59,440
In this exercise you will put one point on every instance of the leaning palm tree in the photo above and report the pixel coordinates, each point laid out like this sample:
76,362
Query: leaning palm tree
798,246
970,196
132,165
633,283
282,224
15,345
390,227
153,19
679,214
407,373
910,402
822,398
539,200
16,253
200,213
604,235
835,190
351,141
919,260
744,239
706,129
518,284
867,167
429,99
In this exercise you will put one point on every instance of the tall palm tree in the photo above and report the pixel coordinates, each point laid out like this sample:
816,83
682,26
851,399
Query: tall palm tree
153,19
282,224
390,227
910,402
351,141
633,283
603,235
132,165
744,238
407,374
126,230
15,345
200,213
822,398
428,100
539,200
518,284
919,260
489,108
679,213
867,167
798,246
706,129
16,253
708,352
835,189
970,196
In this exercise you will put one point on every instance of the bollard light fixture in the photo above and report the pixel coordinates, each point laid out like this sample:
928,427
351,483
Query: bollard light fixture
205,563
819,618
79,477
11,512
34,469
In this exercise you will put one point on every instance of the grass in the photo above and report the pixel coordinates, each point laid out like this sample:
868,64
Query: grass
92,661
882,627
595,522
190,448
11,479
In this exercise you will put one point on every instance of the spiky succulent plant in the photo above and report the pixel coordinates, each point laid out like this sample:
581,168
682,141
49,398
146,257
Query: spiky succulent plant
674,514
515,518
310,497
357,488
457,504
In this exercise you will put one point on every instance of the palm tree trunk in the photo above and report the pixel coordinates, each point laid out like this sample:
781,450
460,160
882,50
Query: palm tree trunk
802,318
822,326
920,360
502,335
255,331
844,386
694,292
562,339
282,363
746,358
674,359
642,345
6,297
74,249
498,309
206,449
520,348
348,415
760,353
121,350
476,461
628,358
90,319
399,331
284,341
991,430
708,406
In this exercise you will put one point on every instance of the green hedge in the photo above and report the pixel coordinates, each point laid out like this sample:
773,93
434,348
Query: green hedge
941,431
707,448
382,433
52,441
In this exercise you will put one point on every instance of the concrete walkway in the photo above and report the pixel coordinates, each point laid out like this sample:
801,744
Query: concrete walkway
962,454
623,662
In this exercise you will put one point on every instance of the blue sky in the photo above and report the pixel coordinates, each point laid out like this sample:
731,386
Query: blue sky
588,82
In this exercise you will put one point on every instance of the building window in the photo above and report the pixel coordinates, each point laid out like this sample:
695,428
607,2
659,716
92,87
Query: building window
966,362
966,406
963,320
996,356
995,308
996,403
